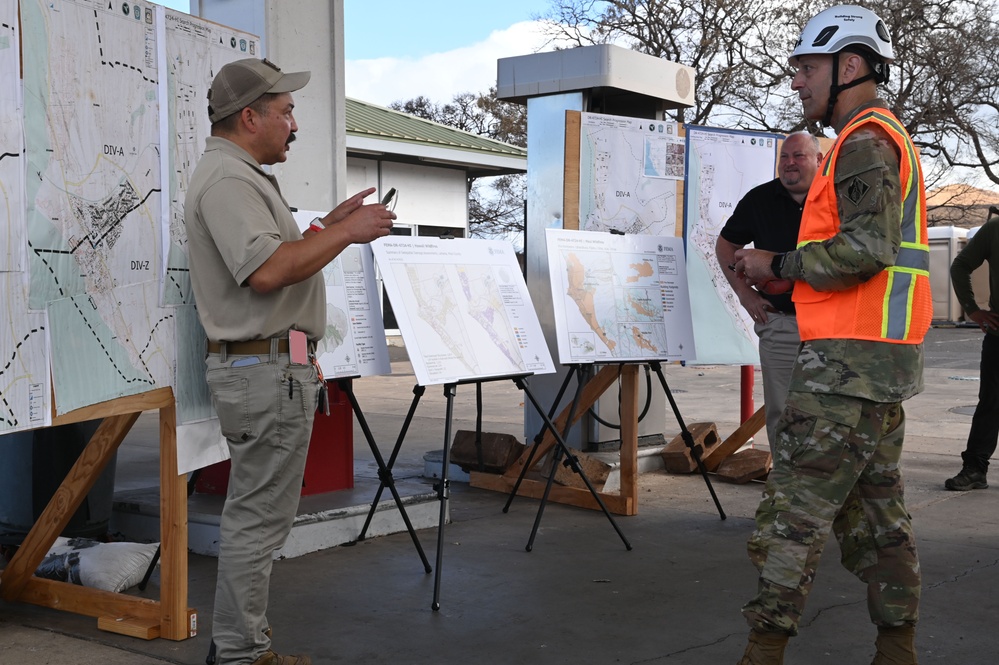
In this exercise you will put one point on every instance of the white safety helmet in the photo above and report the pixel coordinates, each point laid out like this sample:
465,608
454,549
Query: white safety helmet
849,28
842,26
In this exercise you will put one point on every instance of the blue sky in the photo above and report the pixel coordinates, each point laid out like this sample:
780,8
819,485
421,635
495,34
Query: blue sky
413,28
400,49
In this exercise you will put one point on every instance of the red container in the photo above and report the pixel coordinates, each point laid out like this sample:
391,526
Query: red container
330,463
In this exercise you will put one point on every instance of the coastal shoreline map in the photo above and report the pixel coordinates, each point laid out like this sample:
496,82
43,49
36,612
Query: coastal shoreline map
619,298
722,166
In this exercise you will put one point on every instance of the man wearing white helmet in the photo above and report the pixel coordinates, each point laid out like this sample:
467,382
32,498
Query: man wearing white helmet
860,275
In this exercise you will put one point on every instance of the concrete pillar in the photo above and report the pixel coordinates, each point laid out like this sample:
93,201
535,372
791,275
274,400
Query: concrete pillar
604,79
301,35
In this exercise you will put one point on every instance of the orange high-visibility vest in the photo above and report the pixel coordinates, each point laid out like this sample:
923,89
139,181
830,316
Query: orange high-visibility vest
895,305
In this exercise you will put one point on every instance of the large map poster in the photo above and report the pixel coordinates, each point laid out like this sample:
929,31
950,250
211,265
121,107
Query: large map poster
91,115
24,359
619,297
12,230
24,367
463,308
192,53
722,165
628,174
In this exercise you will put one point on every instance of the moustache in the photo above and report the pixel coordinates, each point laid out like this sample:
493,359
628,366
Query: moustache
291,138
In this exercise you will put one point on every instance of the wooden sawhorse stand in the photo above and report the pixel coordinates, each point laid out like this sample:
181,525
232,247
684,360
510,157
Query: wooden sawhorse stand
623,503
169,617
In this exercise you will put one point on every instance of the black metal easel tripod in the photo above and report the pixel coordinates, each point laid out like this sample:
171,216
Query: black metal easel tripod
443,487
385,477
575,370
561,449
688,438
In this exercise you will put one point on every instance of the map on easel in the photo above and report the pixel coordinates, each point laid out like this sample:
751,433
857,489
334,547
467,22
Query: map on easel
463,308
619,297
354,343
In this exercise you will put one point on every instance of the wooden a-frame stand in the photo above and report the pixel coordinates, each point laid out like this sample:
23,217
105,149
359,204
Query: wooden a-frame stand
169,617
625,502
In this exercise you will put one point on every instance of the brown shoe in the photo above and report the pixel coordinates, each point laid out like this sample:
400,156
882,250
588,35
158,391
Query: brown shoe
271,658
765,649
896,646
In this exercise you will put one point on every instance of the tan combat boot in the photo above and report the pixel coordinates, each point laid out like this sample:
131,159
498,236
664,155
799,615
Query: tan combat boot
765,649
896,646
271,658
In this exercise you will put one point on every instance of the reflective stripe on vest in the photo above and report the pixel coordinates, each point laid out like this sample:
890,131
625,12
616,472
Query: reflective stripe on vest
902,289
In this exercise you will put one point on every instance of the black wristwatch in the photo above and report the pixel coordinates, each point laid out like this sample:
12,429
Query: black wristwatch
777,264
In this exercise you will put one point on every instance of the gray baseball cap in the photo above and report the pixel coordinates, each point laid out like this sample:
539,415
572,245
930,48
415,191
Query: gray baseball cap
240,83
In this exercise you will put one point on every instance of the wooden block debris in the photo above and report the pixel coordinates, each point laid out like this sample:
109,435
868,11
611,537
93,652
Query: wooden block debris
736,440
595,469
744,466
499,451
676,455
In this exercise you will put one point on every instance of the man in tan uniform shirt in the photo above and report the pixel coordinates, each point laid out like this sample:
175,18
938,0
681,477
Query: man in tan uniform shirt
257,281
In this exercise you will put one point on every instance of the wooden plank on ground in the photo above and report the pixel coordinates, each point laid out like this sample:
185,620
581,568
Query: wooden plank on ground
144,629
736,440
572,496
87,601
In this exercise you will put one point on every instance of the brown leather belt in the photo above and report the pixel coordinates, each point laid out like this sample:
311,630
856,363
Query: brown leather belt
250,348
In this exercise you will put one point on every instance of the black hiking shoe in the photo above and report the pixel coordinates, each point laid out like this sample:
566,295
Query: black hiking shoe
968,479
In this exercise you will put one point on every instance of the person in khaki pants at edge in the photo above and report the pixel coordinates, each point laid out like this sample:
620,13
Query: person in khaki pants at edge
261,298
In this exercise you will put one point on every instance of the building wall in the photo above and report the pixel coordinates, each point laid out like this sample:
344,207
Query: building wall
301,35
428,196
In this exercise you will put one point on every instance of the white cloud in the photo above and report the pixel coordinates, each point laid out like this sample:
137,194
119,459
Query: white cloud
440,76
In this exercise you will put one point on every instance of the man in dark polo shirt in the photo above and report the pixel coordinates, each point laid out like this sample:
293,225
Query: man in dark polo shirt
769,216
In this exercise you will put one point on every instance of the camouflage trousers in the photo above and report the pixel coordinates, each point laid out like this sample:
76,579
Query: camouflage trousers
836,469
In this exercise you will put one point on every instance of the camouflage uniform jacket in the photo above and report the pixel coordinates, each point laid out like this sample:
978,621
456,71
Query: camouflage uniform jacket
982,247
868,240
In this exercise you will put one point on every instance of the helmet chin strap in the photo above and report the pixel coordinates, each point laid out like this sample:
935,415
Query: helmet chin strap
835,88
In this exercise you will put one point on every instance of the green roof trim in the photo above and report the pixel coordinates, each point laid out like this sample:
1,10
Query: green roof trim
369,120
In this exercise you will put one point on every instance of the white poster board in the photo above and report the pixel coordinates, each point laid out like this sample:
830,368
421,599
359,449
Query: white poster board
354,343
191,54
628,174
463,308
24,370
619,297
722,165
